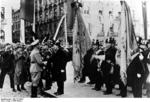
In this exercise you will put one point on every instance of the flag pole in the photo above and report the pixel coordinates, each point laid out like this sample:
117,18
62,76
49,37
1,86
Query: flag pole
56,33
22,31
144,10
65,24
33,25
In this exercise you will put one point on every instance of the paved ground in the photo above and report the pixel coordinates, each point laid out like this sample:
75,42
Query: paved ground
83,90
72,90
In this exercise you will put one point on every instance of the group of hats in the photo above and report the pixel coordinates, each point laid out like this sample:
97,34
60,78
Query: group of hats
111,40
36,42
98,43
8,47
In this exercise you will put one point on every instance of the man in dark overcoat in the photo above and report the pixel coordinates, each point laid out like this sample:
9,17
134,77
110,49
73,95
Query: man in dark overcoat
86,69
136,75
137,72
108,65
7,67
59,61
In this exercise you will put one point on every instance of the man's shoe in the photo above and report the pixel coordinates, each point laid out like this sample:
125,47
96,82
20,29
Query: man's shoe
55,93
18,88
47,88
97,89
81,81
107,93
91,82
118,94
34,92
22,87
58,93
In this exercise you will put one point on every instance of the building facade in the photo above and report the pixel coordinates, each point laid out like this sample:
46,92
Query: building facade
101,18
48,14
16,28
16,25
5,23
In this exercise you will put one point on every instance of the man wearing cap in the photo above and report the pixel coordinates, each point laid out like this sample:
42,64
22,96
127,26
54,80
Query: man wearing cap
35,67
7,67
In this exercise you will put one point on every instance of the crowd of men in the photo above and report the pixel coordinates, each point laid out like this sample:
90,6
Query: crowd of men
102,67
35,62
47,61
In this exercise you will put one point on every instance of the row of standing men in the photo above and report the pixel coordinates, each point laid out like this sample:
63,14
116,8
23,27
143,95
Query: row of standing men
101,66
50,66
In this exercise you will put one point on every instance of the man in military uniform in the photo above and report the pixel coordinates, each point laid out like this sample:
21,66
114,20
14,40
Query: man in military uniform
7,67
35,67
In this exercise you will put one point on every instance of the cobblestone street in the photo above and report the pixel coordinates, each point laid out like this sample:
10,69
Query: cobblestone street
72,90
74,49
7,92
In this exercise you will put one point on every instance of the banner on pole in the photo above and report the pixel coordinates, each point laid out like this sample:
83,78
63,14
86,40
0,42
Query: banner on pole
81,43
144,9
129,44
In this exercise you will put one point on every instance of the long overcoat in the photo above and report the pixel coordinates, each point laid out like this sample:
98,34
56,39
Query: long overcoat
59,61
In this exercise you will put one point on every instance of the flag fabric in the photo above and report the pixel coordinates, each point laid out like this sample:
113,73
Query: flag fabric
132,46
85,41
81,43
144,9
129,45
27,10
76,60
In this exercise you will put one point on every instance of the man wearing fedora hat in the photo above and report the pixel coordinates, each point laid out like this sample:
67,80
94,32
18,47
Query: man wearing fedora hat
35,67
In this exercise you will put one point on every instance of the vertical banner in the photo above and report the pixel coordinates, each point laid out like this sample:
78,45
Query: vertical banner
33,25
76,60
144,10
27,10
81,43
22,31
85,41
123,57
129,45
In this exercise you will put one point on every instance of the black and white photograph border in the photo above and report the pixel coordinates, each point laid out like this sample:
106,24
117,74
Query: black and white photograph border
89,49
